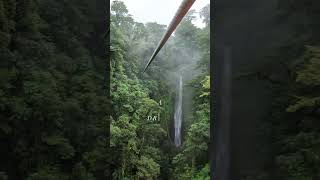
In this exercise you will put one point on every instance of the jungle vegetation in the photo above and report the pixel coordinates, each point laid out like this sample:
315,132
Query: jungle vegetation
143,149
56,113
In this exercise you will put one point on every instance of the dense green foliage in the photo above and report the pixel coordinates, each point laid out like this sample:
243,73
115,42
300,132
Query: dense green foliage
53,104
140,148
294,78
54,108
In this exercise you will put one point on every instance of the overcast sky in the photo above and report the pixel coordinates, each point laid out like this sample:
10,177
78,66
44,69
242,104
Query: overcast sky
160,11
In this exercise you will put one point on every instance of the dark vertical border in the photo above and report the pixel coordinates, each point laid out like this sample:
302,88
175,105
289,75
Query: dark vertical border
219,119
242,32
213,103
104,43
107,79
99,44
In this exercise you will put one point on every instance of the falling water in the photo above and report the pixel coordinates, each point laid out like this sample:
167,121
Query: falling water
178,115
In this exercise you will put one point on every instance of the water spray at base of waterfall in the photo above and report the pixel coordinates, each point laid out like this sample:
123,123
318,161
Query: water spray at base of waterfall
178,114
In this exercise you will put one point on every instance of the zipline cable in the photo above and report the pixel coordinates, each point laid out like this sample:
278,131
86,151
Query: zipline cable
182,11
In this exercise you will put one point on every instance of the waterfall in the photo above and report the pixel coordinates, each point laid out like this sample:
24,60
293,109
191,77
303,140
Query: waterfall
178,115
